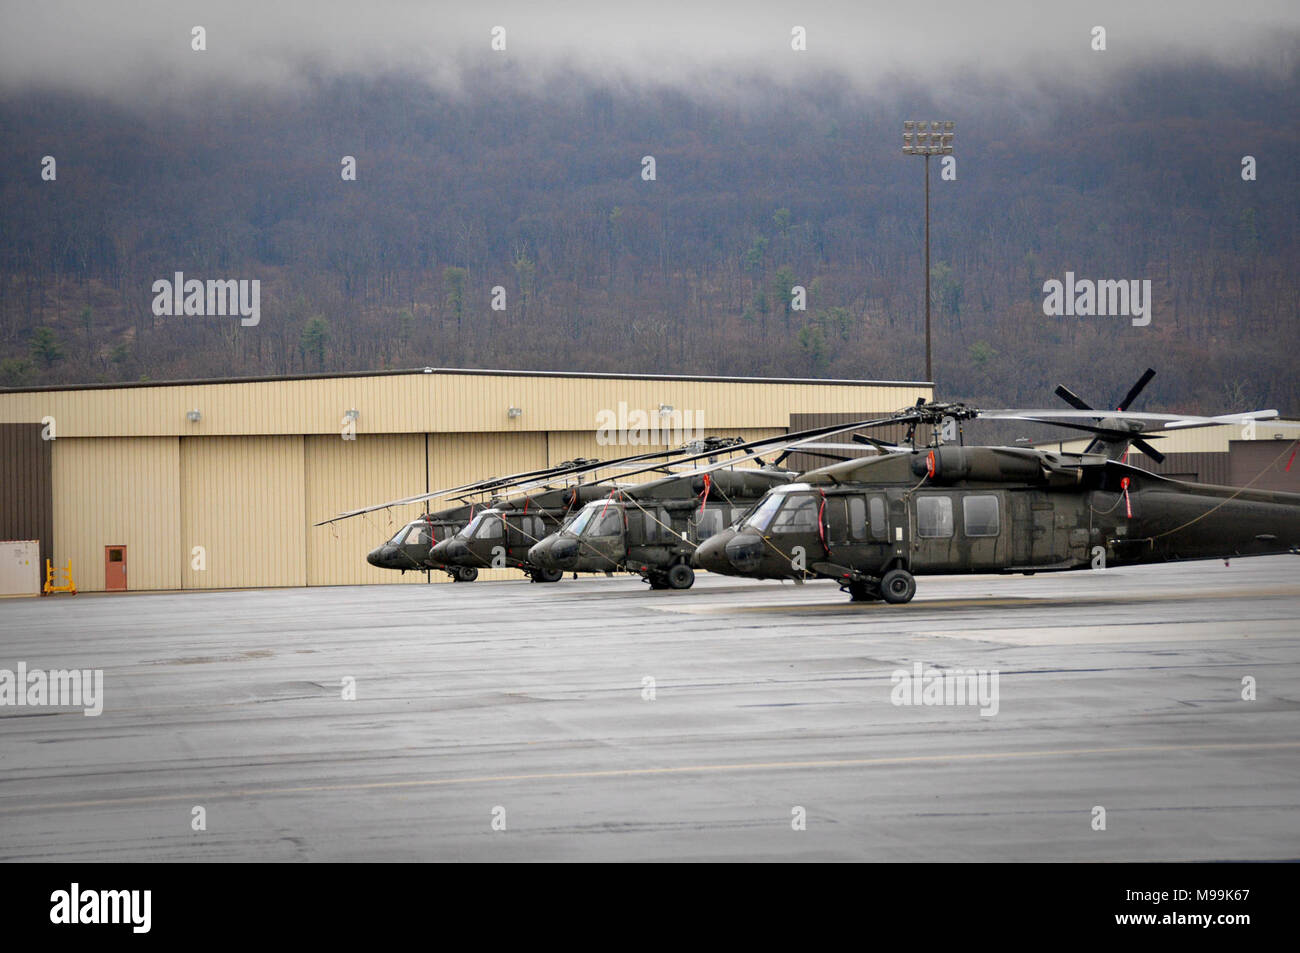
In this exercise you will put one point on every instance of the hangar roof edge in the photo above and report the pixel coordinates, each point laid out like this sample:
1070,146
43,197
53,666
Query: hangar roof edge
467,371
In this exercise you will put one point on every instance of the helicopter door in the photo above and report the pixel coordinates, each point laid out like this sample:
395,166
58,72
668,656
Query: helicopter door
935,547
603,540
868,531
983,529
1050,542
520,535
417,542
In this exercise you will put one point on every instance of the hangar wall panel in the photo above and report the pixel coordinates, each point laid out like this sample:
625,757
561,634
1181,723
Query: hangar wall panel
1263,464
27,487
347,475
118,492
458,458
242,499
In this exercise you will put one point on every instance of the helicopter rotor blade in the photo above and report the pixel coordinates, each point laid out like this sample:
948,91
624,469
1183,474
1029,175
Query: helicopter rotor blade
1136,389
1071,398
1149,450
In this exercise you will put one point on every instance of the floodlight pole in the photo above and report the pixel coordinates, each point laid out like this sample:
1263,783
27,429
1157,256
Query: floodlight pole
929,376
927,139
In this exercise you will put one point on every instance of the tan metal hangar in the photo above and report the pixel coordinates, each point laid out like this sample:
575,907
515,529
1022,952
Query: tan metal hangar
215,484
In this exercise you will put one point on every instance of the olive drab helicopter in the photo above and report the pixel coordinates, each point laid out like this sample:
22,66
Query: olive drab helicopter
500,531
874,524
410,548
603,526
652,529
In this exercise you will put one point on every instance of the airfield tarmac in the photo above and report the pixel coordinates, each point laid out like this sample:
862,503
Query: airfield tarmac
1120,688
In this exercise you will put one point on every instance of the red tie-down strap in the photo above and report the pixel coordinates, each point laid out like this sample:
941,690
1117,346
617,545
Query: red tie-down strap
1128,506
1291,461
821,526
929,465
607,500
704,497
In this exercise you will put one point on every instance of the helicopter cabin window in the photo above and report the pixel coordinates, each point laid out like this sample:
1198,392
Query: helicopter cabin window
879,526
857,516
981,515
799,515
934,517
708,523
490,528
653,531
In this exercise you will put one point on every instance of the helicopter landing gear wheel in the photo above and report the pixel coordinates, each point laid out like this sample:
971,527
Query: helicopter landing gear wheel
681,576
898,586
546,575
464,574
863,591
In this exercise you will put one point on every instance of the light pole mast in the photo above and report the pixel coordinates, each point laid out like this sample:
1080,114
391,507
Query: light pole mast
928,139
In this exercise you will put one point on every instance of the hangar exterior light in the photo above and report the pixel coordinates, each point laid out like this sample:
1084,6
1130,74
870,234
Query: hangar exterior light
932,138
352,414
665,410
513,412
194,416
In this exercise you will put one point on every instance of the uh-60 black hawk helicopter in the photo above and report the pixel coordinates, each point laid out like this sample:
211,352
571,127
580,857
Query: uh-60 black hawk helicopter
876,523
502,532
650,529
411,548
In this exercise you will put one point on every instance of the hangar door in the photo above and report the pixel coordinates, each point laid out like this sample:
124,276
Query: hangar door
243,512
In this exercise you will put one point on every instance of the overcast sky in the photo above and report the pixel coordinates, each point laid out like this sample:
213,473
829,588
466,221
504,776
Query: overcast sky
134,49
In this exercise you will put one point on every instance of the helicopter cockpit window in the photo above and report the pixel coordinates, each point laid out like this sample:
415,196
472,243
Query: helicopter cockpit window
799,515
577,524
934,517
610,523
981,515
419,535
489,528
400,535
760,517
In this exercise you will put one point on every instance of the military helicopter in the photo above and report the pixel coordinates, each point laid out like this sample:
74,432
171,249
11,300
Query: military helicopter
410,548
874,524
486,530
501,535
652,529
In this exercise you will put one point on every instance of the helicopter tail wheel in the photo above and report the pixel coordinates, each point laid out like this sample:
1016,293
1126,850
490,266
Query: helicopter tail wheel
898,586
465,574
681,576
547,575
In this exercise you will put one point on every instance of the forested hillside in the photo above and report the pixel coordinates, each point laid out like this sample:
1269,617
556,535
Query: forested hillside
538,189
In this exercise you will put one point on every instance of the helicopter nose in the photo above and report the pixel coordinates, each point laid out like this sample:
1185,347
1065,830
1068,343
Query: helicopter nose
449,552
712,554
380,556
540,554
744,552
563,552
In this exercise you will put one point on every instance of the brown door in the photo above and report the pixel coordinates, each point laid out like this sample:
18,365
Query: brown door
115,568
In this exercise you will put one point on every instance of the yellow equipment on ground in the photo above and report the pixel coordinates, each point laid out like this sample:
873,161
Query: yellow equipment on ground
50,573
